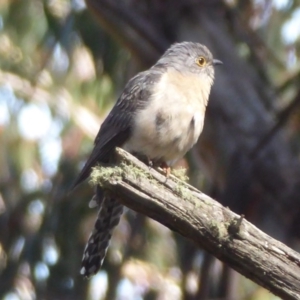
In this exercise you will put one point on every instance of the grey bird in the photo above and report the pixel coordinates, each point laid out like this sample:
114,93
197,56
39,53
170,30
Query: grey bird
159,115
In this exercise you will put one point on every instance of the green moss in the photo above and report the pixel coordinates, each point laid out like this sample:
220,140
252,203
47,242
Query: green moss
180,173
135,171
102,174
214,228
183,191
198,204
218,230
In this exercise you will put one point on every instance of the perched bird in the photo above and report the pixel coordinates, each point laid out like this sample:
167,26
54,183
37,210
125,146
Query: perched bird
160,116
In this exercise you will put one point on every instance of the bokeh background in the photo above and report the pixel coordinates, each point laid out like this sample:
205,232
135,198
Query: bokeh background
62,67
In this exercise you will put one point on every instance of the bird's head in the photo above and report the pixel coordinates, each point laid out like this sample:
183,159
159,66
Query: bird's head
189,58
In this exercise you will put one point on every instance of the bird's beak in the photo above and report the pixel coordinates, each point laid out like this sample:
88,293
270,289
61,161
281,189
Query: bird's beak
217,62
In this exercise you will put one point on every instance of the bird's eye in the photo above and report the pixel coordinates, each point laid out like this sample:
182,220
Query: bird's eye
201,61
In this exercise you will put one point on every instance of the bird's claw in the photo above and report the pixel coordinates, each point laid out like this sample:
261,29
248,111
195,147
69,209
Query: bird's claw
166,169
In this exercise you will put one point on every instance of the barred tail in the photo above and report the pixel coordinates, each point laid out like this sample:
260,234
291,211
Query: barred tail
109,215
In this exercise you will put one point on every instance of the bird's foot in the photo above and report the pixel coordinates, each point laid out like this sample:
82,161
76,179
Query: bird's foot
166,169
155,164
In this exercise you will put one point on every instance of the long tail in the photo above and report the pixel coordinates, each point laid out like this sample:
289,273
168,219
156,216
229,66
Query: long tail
110,211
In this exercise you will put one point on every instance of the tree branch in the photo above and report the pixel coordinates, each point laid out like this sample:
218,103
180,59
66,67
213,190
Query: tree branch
130,28
184,209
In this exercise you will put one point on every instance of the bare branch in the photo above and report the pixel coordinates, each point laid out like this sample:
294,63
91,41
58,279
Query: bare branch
127,26
224,234
282,119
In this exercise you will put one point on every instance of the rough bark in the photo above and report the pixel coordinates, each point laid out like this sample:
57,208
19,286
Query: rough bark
186,210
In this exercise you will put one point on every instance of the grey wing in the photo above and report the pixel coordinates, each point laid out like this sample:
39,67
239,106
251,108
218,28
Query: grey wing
116,128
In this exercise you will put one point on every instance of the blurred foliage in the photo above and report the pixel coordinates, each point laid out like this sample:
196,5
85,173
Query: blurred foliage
60,72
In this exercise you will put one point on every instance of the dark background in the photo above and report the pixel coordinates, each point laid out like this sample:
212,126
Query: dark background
62,67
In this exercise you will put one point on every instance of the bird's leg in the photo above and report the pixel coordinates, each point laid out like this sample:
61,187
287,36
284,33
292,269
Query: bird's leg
154,163
149,162
166,168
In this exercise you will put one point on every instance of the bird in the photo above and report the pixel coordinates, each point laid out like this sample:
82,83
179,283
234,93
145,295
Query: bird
159,115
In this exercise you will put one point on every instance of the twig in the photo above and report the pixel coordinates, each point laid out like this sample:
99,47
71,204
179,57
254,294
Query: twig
282,119
125,24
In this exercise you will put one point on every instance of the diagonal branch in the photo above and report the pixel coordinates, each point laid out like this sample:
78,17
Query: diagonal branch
224,234
128,27
283,117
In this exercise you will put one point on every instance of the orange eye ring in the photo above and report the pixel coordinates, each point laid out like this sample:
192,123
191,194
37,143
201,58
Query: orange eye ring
201,61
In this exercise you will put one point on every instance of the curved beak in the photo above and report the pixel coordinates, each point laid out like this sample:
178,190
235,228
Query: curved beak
217,62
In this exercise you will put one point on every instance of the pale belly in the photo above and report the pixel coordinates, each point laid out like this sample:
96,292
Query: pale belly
172,122
166,135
